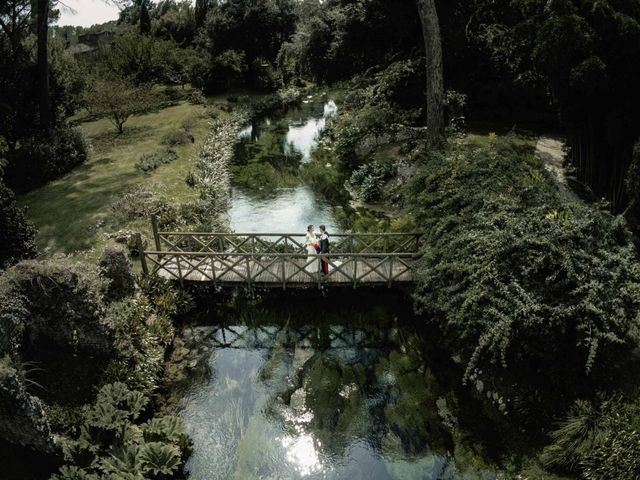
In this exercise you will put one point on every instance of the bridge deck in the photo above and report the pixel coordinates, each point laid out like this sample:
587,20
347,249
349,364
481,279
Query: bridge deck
281,260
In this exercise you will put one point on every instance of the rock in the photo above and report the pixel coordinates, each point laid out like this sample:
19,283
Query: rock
298,399
300,357
22,417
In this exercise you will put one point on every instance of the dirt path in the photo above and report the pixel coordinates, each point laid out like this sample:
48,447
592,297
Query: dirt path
551,152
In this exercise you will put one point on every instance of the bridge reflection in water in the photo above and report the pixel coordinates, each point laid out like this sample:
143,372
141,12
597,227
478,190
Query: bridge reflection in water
267,337
281,260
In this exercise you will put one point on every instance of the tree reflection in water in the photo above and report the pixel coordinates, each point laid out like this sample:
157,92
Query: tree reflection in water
296,392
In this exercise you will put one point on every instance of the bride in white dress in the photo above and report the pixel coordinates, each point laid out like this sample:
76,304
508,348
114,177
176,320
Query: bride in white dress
311,240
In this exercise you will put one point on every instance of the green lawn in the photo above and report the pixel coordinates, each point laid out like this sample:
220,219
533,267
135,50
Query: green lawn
67,211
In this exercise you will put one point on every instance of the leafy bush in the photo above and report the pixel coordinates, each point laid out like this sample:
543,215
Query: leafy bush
140,202
165,296
368,181
40,159
177,137
519,280
150,161
196,97
116,268
17,234
114,444
140,337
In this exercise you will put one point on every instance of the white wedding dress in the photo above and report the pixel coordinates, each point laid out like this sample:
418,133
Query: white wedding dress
311,241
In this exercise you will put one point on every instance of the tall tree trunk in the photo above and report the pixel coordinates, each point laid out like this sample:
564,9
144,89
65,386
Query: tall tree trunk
43,64
435,75
202,7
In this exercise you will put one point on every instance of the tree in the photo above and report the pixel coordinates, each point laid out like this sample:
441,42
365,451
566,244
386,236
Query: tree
119,100
14,21
42,19
145,19
435,76
202,7
581,52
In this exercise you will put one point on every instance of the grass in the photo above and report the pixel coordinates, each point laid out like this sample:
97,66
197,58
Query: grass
73,213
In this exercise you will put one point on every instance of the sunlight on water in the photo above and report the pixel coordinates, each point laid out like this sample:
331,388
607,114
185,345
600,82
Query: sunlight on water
302,454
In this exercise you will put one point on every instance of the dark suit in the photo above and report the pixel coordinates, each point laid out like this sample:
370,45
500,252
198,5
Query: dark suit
324,248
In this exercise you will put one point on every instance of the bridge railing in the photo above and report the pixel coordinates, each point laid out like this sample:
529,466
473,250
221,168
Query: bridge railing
283,269
285,242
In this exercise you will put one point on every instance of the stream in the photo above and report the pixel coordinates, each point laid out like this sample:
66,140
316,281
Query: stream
288,139
301,387
304,386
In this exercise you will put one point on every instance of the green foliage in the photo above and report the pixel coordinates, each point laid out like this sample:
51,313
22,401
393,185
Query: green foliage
160,459
260,176
165,296
41,158
336,39
116,268
177,137
72,318
516,277
118,100
140,338
143,59
150,161
598,442
368,180
17,234
237,57
113,444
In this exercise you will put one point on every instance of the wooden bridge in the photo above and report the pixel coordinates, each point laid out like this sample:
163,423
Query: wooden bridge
281,260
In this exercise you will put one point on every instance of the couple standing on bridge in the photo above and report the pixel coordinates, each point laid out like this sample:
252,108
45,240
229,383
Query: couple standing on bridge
317,243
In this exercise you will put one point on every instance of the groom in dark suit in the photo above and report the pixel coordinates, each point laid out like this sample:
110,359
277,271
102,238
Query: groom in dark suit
324,249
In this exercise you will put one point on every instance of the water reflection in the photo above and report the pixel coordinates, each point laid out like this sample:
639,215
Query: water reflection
285,140
288,210
347,397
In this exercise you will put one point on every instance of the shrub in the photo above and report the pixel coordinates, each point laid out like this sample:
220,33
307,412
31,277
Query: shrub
598,442
196,97
150,161
368,181
259,176
17,234
166,297
40,159
141,334
173,94
116,268
178,137
522,283
140,202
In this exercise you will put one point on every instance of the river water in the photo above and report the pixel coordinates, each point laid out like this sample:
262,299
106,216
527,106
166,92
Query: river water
306,386
286,140
313,388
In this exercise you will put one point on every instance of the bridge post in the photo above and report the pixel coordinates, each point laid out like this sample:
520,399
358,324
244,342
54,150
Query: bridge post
156,236
143,259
